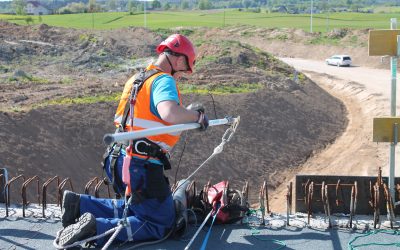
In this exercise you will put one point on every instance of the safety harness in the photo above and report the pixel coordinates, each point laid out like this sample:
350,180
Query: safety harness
143,146
214,211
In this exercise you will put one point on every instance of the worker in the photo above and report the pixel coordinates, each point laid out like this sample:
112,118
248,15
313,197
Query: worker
158,103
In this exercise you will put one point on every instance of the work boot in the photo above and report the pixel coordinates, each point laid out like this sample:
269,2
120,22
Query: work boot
83,229
70,206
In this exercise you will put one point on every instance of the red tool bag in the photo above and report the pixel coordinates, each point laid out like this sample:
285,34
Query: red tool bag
231,202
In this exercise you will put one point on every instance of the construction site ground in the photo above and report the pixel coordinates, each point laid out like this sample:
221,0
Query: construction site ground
319,124
35,232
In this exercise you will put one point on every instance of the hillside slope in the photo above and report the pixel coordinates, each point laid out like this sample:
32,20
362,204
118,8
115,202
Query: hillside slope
283,122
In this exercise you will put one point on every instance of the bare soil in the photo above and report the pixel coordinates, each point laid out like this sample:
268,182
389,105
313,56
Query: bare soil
282,125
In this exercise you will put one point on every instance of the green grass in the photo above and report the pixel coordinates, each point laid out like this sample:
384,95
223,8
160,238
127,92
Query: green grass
29,79
218,89
160,21
80,100
386,9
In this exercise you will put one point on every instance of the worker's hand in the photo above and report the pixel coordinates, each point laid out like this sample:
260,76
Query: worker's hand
196,106
203,121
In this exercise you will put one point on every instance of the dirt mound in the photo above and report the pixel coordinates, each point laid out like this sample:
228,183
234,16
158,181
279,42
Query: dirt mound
283,123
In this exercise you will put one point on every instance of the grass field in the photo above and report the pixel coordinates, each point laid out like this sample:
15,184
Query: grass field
154,20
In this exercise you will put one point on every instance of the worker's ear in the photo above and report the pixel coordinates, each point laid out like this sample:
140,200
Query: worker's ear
182,62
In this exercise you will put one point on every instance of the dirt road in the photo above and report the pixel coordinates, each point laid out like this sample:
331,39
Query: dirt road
366,94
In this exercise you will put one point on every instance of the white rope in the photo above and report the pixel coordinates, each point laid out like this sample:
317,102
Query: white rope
218,149
112,238
78,243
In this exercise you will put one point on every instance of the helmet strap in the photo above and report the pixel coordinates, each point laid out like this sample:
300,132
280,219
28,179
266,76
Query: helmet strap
173,71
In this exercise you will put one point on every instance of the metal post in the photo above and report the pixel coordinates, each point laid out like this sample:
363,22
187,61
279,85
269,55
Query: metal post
223,25
145,19
392,154
393,67
311,16
327,28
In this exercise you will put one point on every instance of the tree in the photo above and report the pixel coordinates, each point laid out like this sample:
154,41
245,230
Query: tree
131,6
167,6
185,5
28,20
112,4
19,7
92,5
156,4
246,3
205,5
74,8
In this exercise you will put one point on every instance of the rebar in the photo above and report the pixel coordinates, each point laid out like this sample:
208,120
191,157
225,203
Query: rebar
190,194
97,188
44,193
90,183
61,188
309,201
288,203
7,190
325,198
389,205
261,199
245,196
23,192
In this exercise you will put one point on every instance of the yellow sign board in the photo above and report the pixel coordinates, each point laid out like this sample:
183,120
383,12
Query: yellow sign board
383,42
383,129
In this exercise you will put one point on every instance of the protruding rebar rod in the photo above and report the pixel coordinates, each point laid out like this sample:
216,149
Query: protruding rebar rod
7,190
23,192
61,188
97,188
44,193
90,183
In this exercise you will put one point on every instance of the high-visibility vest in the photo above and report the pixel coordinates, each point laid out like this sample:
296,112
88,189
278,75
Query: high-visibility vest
143,117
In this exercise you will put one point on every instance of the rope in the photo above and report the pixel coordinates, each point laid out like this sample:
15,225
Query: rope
205,241
217,150
112,238
78,243
374,232
255,232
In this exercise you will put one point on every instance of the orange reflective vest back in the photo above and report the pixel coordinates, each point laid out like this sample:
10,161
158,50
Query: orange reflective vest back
143,117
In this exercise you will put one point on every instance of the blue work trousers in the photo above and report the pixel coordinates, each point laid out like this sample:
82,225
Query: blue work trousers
148,220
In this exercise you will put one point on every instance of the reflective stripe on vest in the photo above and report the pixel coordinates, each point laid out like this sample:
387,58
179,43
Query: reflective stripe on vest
143,117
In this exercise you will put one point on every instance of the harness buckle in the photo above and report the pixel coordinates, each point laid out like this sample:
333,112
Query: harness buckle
147,145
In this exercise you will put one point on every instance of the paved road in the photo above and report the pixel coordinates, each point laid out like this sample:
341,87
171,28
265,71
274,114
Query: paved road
376,81
367,94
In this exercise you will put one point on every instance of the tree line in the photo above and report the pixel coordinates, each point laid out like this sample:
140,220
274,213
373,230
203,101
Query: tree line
132,6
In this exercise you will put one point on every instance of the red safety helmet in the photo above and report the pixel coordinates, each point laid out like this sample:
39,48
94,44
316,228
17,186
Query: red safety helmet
179,44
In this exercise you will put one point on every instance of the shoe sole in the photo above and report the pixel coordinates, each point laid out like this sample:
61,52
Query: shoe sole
68,218
78,231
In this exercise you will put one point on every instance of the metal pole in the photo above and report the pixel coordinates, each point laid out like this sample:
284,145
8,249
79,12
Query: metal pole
125,136
327,27
145,19
224,20
393,67
311,16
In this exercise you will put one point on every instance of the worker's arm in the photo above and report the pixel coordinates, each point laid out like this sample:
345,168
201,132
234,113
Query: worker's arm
173,113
